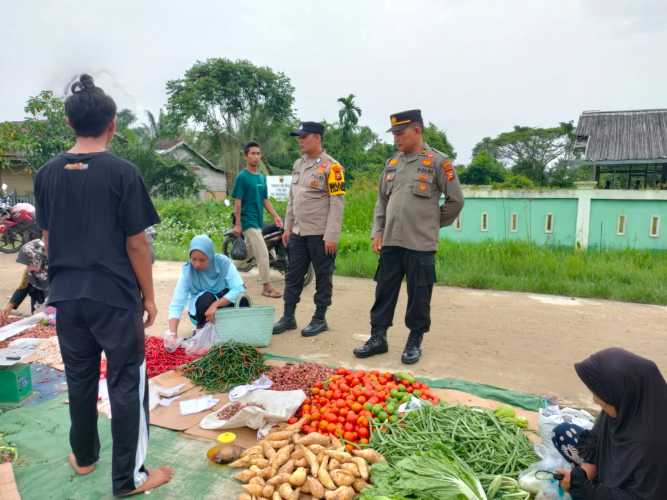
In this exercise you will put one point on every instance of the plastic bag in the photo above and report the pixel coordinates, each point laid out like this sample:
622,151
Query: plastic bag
240,391
202,340
239,250
170,341
550,460
552,416
266,409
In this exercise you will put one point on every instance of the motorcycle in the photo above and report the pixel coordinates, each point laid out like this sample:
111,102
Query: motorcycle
17,223
273,239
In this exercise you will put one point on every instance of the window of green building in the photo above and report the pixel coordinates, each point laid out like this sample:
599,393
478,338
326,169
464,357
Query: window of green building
655,227
484,226
620,225
514,223
549,223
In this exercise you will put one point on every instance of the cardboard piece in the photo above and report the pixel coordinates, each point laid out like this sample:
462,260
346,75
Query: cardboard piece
8,488
170,417
171,379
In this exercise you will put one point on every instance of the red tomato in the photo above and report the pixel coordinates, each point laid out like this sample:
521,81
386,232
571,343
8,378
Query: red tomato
315,390
356,407
315,424
341,420
340,403
374,400
361,399
351,417
337,394
341,371
315,415
348,427
362,421
329,394
291,420
410,389
323,425
306,428
330,417
348,436
363,441
331,428
363,432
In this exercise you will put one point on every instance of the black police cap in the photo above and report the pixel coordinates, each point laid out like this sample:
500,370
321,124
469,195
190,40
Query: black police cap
308,128
401,120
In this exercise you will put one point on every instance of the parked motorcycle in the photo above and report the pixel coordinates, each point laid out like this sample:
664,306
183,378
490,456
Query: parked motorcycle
273,239
18,223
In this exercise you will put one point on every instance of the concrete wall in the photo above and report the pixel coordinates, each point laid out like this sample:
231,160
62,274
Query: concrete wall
21,183
582,218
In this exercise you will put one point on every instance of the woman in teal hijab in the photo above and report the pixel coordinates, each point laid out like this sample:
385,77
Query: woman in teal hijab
208,282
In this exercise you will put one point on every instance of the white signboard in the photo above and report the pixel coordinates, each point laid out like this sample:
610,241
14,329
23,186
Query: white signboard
278,186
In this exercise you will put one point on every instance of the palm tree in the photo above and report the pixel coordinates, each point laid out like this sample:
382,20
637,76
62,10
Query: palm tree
349,113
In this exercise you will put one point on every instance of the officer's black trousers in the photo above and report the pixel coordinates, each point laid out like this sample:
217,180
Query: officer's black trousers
302,250
86,328
419,270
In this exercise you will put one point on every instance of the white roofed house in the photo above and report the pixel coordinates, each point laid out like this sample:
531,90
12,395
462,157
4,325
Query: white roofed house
212,177
627,149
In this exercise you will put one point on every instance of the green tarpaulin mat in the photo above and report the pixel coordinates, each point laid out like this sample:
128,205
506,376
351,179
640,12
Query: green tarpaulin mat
519,399
40,433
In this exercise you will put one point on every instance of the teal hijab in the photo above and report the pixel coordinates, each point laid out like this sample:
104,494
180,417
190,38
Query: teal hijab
211,279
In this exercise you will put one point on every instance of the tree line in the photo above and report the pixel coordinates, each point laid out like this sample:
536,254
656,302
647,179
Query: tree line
220,104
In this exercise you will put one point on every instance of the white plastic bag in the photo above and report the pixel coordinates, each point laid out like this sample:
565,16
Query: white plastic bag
552,416
202,340
240,391
274,407
170,341
550,460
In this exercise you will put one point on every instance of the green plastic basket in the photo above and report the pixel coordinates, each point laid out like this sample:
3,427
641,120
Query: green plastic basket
249,325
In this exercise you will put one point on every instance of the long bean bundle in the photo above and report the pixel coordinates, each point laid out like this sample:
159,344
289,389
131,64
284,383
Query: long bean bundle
489,444
226,366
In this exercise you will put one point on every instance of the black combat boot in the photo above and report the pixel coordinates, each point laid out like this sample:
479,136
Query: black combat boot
287,322
412,351
377,344
315,327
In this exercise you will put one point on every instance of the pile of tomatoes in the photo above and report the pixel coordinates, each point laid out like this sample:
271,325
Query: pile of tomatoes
344,404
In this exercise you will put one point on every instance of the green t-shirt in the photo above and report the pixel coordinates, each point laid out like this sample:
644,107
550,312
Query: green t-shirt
251,190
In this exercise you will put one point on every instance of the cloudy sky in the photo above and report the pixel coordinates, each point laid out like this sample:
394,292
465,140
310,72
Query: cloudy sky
475,67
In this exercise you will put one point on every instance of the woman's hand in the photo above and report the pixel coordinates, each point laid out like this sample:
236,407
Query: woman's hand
210,312
567,475
591,471
4,313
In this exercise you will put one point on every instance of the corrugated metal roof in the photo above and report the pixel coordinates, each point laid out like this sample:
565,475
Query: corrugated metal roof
624,135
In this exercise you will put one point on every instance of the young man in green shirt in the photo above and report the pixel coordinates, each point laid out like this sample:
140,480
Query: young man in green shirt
251,198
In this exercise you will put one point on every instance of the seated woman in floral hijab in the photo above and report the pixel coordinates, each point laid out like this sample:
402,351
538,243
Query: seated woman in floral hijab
35,278
624,457
208,282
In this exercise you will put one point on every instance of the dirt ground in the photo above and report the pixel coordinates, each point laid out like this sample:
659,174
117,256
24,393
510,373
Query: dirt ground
519,341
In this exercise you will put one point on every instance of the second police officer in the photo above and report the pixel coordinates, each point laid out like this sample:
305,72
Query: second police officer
407,221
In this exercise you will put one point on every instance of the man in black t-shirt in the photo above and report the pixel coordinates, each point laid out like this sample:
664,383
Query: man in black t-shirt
93,208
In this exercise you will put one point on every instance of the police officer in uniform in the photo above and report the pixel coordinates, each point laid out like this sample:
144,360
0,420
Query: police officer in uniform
407,219
312,227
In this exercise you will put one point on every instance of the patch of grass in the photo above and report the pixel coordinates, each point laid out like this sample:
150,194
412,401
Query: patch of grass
625,275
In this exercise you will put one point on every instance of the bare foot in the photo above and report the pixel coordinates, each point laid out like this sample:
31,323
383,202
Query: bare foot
81,471
156,477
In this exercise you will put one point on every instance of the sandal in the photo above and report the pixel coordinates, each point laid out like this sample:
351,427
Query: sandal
272,294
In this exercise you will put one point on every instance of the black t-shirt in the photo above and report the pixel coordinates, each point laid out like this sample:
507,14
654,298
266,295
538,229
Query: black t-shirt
90,203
